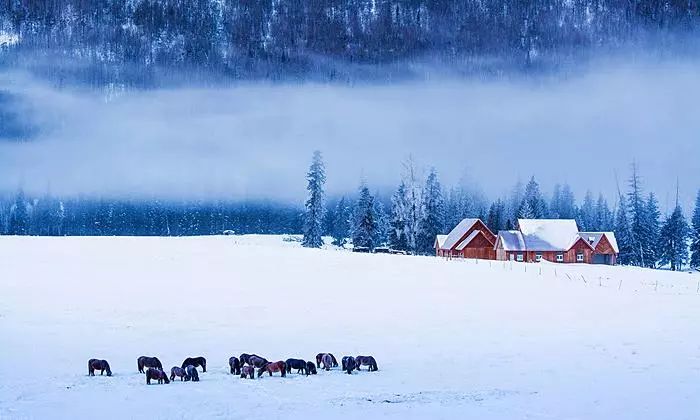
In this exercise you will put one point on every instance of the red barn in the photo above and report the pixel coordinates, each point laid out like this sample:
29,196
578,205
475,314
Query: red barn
471,238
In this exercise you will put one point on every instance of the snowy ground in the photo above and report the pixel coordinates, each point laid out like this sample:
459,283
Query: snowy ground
453,339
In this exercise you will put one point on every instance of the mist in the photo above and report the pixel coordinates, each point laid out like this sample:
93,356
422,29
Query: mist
254,141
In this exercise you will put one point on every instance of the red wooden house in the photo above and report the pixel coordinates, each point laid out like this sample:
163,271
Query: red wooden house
471,238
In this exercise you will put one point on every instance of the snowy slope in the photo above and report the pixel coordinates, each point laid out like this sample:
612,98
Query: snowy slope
453,339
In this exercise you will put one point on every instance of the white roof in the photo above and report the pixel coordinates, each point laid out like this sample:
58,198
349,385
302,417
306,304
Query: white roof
440,239
511,240
548,234
466,240
456,234
594,237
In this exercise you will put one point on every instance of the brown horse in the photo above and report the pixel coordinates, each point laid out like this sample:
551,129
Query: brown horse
97,364
274,367
320,356
156,374
148,362
249,371
366,361
177,371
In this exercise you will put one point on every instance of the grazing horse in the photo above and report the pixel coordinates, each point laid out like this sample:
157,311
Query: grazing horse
349,364
257,361
366,361
97,364
156,374
273,367
319,358
248,371
310,368
177,371
327,361
149,362
298,364
235,365
195,361
191,374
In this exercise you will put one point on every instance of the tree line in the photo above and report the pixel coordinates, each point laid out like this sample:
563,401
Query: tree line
420,209
139,42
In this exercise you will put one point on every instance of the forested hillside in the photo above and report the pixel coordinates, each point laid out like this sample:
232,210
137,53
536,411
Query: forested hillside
146,42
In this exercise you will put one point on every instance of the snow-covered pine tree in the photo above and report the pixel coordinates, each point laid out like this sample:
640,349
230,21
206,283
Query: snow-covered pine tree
533,196
651,241
637,219
515,201
433,211
695,235
586,214
555,203
526,211
496,217
383,223
414,203
567,203
19,215
604,218
674,240
340,230
365,229
398,221
623,234
313,217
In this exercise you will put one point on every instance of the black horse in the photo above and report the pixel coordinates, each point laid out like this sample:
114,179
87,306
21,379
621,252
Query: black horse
319,358
257,361
97,364
248,371
156,374
148,362
177,371
348,364
298,364
235,365
195,361
311,368
366,361
191,374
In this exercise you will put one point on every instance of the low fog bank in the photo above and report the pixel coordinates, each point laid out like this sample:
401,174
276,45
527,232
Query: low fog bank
255,141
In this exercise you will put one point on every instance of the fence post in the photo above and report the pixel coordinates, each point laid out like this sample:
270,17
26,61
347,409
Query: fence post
656,286
584,279
619,287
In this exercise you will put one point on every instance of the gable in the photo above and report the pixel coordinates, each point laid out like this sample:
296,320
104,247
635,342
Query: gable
604,246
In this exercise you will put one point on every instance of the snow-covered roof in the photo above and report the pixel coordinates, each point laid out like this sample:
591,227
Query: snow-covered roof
548,234
458,232
468,239
511,240
440,240
594,238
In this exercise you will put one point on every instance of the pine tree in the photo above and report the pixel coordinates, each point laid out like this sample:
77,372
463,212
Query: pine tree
366,226
526,211
313,218
674,240
651,240
398,223
340,230
383,223
19,215
637,219
534,199
555,204
515,202
695,235
496,218
586,215
604,218
414,203
432,222
623,234
567,203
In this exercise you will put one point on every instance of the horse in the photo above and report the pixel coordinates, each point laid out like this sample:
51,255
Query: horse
191,374
97,364
310,368
248,371
149,362
156,374
195,361
273,367
257,361
366,361
298,364
177,371
327,361
348,364
320,356
235,365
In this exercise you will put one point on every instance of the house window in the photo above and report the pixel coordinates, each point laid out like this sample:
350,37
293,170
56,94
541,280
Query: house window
538,257
520,257
579,257
560,257
512,257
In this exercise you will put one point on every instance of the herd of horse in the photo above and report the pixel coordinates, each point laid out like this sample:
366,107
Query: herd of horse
245,366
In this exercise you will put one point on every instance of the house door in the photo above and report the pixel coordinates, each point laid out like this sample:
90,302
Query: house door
601,259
